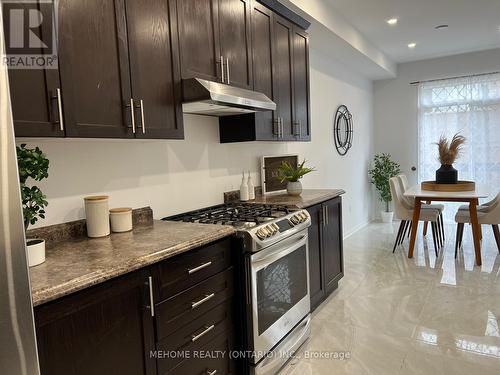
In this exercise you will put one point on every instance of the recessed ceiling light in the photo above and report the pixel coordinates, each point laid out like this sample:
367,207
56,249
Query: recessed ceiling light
441,27
412,45
392,21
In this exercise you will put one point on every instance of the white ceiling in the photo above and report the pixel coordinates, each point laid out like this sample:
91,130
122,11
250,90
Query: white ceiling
473,25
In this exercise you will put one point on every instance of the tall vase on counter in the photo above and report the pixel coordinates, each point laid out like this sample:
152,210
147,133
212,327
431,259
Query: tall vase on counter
251,187
448,153
244,196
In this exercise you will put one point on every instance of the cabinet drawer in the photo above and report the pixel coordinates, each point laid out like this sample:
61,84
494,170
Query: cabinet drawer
183,308
183,271
218,359
190,339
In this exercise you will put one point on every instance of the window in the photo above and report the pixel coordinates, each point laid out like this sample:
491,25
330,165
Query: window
471,106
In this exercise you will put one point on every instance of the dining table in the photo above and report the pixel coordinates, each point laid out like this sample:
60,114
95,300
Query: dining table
428,196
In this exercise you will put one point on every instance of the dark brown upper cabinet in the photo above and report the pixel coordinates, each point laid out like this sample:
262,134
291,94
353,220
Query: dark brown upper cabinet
235,42
281,71
262,33
155,72
199,47
35,94
301,102
118,77
215,41
94,68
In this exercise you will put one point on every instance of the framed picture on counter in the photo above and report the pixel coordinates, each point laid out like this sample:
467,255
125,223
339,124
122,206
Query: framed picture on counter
269,172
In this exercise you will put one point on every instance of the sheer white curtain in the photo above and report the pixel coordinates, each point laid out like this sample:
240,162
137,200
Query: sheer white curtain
471,106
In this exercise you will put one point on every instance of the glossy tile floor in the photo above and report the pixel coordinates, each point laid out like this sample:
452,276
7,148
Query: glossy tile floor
394,315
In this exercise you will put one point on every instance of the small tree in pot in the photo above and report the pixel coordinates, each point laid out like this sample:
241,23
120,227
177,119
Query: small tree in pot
286,172
383,169
32,163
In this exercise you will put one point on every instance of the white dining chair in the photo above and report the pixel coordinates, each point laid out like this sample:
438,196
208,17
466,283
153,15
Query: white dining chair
404,212
403,180
487,214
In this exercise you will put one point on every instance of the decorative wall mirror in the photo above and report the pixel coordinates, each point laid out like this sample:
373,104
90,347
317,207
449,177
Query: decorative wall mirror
342,130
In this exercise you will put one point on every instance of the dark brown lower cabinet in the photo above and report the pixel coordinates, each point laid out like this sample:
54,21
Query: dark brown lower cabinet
110,329
326,262
103,330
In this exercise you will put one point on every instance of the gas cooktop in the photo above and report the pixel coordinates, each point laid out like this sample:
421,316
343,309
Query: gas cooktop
260,225
239,215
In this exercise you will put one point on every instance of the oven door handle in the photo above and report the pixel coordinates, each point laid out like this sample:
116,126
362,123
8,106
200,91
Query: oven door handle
263,258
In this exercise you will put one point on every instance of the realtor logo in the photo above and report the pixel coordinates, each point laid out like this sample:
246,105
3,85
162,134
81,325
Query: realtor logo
30,34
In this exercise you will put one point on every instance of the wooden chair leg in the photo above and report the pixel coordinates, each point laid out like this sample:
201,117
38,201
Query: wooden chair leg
399,234
434,239
496,232
460,228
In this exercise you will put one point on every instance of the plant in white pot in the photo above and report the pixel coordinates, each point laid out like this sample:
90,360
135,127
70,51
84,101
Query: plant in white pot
383,169
286,172
33,164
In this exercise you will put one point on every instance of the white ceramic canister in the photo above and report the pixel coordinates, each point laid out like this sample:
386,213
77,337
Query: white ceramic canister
97,215
121,219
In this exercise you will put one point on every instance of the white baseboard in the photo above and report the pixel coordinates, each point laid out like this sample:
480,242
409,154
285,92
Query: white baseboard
357,228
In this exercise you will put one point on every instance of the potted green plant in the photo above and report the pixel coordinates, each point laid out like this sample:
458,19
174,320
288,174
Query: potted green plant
383,169
448,153
33,164
287,172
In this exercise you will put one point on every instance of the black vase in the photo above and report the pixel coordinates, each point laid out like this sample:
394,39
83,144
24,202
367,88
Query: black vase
446,175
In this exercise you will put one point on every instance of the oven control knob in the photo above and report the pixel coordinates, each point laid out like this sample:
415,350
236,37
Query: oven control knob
276,227
260,233
271,229
294,219
303,216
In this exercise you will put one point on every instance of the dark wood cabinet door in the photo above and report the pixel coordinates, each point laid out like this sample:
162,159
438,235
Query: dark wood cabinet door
94,68
236,42
33,92
316,287
283,75
301,119
332,244
199,47
262,48
155,74
100,331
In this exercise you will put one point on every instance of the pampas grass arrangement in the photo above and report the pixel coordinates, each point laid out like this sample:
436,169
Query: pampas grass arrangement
450,151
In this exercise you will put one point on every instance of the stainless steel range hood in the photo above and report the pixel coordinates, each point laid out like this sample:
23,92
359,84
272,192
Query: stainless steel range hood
209,98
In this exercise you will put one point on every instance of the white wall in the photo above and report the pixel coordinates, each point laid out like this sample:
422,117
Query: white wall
395,101
175,176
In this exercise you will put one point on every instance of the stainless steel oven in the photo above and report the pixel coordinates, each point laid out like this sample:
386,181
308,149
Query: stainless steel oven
278,286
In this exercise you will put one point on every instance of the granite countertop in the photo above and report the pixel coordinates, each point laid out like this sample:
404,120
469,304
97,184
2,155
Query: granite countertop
79,263
309,197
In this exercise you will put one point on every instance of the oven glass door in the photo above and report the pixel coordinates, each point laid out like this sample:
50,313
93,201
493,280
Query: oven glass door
280,290
280,286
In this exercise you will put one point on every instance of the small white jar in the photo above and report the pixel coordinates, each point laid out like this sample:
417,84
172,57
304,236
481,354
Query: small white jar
97,215
121,219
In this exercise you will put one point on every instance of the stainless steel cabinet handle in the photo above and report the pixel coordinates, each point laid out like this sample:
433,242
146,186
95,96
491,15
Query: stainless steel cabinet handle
199,268
59,107
211,372
326,215
222,67
132,114
300,129
281,127
276,127
203,333
151,298
142,117
227,68
202,301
